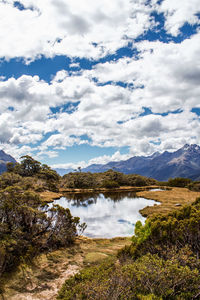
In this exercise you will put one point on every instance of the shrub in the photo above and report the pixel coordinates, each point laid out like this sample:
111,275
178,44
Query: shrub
194,186
149,277
26,229
79,180
161,263
110,184
179,182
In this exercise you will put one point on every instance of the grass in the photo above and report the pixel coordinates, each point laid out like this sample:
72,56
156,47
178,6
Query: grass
48,196
170,200
94,257
45,276
119,189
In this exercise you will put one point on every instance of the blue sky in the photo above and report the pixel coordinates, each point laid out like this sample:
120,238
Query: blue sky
87,81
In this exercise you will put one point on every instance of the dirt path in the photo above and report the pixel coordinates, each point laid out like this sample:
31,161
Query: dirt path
43,279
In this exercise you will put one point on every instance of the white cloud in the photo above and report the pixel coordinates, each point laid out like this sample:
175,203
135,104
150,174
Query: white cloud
178,13
85,29
75,65
97,160
165,78
166,75
110,115
17,151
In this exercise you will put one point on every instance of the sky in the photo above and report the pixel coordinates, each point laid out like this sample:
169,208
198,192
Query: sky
89,81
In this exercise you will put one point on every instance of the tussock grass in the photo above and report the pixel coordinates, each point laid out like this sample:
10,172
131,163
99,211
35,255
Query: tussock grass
170,200
48,196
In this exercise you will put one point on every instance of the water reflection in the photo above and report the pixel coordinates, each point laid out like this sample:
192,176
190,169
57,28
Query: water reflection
114,196
106,214
156,190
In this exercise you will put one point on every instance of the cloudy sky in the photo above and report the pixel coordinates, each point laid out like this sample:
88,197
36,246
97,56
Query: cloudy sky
89,81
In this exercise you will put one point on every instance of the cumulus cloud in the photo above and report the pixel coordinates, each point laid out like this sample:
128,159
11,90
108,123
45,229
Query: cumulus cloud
166,77
179,13
85,29
89,29
163,79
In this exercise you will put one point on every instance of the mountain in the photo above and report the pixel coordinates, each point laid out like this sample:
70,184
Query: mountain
184,162
62,172
4,159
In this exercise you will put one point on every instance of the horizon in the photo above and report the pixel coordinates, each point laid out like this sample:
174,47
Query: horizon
185,147
86,83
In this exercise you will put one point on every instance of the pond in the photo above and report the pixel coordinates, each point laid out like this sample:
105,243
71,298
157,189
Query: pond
107,215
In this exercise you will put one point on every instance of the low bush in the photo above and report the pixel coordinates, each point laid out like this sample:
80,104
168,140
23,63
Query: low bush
110,184
179,182
161,263
26,229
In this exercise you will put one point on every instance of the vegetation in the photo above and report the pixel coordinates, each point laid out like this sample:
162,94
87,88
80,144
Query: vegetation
26,228
31,174
194,186
171,199
79,180
175,230
179,182
108,179
161,263
41,278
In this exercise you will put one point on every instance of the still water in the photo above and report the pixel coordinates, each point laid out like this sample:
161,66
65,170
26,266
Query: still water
107,215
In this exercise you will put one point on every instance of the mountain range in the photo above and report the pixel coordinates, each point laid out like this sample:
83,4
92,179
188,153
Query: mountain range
4,159
184,162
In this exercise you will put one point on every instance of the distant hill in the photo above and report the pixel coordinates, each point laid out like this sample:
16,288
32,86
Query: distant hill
184,162
62,172
4,159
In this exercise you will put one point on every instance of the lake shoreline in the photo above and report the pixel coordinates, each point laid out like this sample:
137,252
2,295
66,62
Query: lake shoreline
48,196
119,189
107,214
170,198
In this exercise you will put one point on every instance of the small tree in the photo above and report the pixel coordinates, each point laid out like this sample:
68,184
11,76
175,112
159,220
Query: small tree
10,166
29,166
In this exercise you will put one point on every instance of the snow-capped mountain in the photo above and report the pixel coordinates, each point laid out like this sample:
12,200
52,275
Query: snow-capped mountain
184,162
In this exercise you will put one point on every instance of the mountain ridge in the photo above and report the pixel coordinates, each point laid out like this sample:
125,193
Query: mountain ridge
184,162
4,159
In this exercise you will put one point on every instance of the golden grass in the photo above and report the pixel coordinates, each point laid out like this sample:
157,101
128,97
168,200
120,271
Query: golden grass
48,196
170,200
119,189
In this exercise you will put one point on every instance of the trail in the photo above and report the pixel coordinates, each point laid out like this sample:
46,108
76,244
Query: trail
43,279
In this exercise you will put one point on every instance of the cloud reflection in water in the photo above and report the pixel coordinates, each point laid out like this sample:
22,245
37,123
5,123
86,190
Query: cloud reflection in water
105,217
